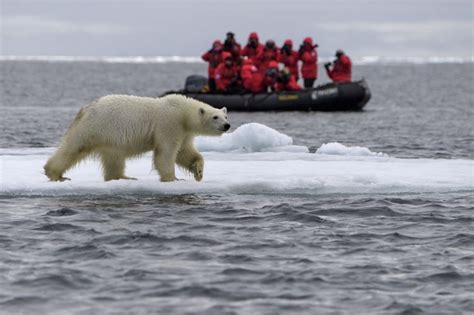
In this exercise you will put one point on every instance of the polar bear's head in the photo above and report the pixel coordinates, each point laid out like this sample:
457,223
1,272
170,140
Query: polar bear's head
213,121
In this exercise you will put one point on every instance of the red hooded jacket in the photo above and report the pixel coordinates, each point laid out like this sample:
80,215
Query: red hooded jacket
289,60
266,56
342,70
256,83
291,85
246,73
225,74
252,52
270,82
214,58
260,82
309,56
235,50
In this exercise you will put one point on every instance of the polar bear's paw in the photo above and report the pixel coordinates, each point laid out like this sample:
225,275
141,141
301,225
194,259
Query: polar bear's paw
197,168
55,176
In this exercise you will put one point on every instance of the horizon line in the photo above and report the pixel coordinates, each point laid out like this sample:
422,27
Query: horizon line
197,59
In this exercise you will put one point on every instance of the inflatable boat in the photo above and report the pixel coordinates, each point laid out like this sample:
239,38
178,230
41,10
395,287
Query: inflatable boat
349,96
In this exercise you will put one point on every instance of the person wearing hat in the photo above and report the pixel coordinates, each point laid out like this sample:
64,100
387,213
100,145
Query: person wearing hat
227,74
268,54
341,70
253,48
214,57
289,58
271,75
286,81
309,57
231,46
264,82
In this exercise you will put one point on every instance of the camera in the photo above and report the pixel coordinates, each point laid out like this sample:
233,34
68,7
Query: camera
271,72
228,43
270,45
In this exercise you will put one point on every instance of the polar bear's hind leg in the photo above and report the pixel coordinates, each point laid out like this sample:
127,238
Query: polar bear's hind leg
62,160
113,165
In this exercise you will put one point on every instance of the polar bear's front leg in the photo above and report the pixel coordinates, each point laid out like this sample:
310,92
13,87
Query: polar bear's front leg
113,164
164,163
191,160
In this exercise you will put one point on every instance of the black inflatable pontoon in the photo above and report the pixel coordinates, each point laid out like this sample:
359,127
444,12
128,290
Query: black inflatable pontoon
328,97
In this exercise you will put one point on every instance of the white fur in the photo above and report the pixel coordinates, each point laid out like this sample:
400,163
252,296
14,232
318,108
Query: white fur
117,127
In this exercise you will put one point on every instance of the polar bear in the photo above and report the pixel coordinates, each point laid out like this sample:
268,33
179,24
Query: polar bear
117,127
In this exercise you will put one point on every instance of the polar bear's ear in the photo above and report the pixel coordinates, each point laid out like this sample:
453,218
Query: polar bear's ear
201,111
224,110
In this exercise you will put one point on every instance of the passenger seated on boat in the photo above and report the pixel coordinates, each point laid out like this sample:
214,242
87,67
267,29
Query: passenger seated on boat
289,58
341,70
286,81
255,84
246,73
271,75
227,74
268,54
231,46
263,83
214,57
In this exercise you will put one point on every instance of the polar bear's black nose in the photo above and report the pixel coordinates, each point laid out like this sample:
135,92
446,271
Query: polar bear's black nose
226,127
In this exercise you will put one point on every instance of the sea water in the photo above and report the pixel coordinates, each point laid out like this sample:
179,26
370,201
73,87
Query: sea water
365,212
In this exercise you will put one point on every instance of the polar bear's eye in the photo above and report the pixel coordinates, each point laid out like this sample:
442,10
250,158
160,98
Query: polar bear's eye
215,117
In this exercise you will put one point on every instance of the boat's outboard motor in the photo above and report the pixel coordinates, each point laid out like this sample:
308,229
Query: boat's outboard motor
195,83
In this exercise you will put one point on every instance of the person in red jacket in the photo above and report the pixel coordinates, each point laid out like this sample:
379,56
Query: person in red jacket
289,58
256,85
214,57
286,81
227,74
246,73
231,46
271,75
267,55
263,82
341,70
253,48
309,56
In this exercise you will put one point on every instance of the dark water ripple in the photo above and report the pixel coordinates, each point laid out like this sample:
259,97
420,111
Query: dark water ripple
61,212
408,254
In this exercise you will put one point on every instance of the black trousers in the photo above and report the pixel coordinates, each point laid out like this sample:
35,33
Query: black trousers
212,85
308,83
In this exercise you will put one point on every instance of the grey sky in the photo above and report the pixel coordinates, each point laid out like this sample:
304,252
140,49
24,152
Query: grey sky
390,28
